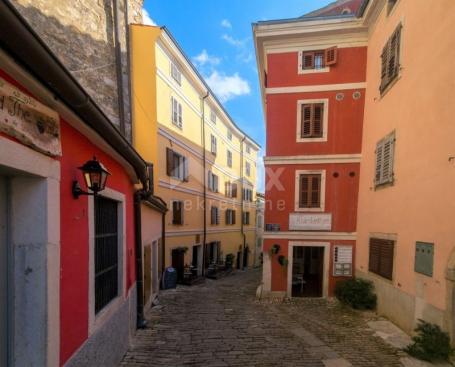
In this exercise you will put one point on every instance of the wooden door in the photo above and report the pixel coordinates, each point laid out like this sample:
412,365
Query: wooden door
147,272
3,274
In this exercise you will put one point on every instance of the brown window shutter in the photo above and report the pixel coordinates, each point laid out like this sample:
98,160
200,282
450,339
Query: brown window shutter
169,162
306,120
233,217
384,63
331,56
374,254
185,169
304,190
315,191
318,110
234,190
379,162
227,217
381,257
177,212
308,60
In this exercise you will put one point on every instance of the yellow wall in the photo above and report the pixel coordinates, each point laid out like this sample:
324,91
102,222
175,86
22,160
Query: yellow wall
420,206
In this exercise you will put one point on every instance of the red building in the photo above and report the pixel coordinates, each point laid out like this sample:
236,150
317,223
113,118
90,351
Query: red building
70,264
312,75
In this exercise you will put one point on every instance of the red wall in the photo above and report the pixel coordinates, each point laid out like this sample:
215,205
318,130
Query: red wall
74,242
340,198
350,68
344,124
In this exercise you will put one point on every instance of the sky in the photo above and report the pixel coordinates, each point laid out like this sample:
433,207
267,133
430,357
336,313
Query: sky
217,37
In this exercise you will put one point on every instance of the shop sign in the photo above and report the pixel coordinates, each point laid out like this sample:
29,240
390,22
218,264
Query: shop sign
29,121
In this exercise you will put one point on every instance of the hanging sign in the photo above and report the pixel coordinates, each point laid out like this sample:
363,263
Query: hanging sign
29,121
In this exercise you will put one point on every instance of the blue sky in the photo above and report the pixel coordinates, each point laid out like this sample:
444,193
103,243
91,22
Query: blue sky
217,36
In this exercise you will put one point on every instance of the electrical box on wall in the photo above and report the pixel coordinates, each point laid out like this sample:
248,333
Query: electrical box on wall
424,258
342,261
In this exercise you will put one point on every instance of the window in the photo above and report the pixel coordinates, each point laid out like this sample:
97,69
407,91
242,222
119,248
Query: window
176,165
106,252
176,74
246,218
177,113
213,144
247,195
231,190
248,149
212,182
390,60
213,116
316,60
230,216
229,158
381,257
310,191
177,212
248,169
229,134
214,215
390,5
311,120
384,160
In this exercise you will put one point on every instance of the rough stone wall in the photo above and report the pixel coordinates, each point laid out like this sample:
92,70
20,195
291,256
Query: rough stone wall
81,34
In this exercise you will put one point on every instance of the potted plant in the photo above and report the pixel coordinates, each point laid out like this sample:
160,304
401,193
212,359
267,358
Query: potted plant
274,249
283,261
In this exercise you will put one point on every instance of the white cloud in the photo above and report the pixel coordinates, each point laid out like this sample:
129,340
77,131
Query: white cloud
233,41
204,58
146,19
227,87
226,23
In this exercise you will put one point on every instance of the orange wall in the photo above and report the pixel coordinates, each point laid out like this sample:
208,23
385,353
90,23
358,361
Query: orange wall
420,206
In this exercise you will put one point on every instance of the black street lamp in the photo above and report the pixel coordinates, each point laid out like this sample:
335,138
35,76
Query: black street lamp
95,176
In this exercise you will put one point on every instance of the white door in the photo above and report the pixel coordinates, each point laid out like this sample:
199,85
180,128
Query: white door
3,273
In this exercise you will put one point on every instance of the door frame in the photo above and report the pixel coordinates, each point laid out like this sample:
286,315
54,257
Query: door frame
325,269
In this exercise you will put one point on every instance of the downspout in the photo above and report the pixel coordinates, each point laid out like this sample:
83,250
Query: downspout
242,230
118,66
140,320
204,235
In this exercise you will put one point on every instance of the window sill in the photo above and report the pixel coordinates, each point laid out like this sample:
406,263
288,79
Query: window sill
314,71
384,185
311,140
312,210
391,84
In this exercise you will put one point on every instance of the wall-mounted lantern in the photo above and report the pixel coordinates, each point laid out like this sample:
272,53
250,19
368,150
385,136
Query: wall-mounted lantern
95,176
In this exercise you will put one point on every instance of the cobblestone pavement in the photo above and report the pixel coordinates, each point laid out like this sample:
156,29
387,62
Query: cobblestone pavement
220,323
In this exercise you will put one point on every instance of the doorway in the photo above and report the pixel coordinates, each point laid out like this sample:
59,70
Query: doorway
246,252
307,271
3,273
178,263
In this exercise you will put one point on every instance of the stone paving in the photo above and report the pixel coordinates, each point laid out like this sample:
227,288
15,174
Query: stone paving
221,323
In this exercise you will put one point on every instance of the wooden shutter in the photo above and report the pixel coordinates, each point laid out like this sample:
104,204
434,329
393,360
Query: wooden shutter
308,60
177,212
315,191
318,110
379,154
233,216
304,190
234,190
331,56
390,59
384,63
310,191
384,160
227,219
180,115
306,121
169,162
381,257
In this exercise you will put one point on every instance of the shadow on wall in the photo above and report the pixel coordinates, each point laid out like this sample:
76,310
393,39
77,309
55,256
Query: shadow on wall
87,49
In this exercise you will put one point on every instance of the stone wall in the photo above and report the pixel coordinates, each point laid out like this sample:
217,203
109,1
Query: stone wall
81,33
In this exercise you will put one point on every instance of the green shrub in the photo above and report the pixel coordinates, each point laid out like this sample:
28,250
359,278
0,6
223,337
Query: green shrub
430,344
357,293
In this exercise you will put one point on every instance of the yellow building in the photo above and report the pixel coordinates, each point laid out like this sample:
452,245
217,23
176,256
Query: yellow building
204,164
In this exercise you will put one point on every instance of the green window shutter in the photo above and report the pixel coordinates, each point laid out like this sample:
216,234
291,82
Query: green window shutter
424,258
379,162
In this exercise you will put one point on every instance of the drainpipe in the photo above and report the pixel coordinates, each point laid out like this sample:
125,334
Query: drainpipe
118,66
140,320
204,236
242,230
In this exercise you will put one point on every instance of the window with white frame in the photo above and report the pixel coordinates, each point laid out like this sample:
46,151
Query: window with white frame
214,215
246,218
248,148
213,144
248,169
229,158
176,112
312,120
212,115
176,165
175,73
247,194
230,216
317,59
212,183
230,189
310,190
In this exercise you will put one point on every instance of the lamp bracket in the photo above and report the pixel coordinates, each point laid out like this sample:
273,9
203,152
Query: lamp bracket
77,191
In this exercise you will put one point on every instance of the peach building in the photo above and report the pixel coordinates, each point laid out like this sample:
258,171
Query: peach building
404,231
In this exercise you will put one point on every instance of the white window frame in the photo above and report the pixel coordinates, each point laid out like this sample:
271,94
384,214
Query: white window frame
321,207
176,74
96,321
325,120
248,169
179,113
212,116
229,158
213,144
300,70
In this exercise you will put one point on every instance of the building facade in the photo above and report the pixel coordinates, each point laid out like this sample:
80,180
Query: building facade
205,165
313,89
380,105
69,258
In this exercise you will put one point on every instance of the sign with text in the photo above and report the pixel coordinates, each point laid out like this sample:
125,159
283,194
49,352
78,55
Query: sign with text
310,222
29,121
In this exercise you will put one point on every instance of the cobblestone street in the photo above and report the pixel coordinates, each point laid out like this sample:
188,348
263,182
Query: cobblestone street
220,323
